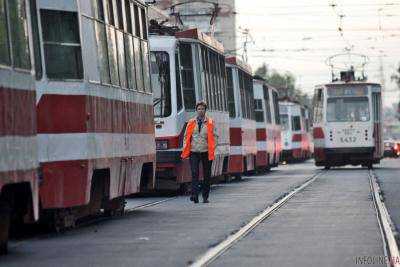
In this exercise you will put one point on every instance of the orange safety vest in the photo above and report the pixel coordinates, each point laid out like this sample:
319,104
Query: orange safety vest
210,138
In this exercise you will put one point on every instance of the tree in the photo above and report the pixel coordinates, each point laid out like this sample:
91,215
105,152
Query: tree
396,77
285,83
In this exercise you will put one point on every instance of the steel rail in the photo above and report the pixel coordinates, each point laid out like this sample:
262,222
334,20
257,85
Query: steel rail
385,223
213,253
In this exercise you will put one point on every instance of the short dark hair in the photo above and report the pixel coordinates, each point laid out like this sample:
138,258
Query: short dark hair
201,103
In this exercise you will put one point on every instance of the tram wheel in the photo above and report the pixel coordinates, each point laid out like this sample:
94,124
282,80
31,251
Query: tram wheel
327,167
115,207
238,177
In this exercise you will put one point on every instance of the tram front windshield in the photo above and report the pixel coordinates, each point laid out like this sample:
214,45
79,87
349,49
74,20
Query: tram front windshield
348,109
284,122
160,80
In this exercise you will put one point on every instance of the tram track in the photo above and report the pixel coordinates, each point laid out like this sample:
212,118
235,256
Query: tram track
218,250
385,223
90,221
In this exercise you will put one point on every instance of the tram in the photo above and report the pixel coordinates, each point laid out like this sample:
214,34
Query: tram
186,67
19,186
267,118
242,123
295,128
94,107
348,123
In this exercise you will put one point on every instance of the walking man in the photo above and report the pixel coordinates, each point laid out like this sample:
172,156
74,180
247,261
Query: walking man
199,146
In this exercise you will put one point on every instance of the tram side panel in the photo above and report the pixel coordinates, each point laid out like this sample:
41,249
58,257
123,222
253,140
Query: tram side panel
95,114
266,130
277,130
243,136
18,146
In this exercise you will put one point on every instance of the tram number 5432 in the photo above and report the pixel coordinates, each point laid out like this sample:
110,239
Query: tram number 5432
348,139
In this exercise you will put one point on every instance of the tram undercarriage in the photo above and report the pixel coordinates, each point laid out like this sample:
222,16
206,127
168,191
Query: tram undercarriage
347,156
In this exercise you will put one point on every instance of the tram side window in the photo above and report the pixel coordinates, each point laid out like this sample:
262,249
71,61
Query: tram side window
231,98
284,118
242,94
220,84
221,78
123,58
267,103
143,23
179,102
62,46
128,12
187,75
296,124
14,15
5,57
137,20
211,76
160,77
119,13
36,40
276,108
223,82
197,60
249,82
376,105
259,112
318,105
206,71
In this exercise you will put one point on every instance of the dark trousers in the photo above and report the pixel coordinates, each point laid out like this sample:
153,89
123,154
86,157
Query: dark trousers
204,187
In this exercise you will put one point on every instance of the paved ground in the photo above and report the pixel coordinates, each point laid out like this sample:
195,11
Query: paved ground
170,234
389,179
330,223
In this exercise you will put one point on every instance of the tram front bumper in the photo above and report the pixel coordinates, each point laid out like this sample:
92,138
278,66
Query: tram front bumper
343,156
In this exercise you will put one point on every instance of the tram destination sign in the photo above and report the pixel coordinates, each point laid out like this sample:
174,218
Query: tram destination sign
347,91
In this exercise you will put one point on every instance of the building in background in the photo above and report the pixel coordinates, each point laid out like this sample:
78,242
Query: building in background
201,14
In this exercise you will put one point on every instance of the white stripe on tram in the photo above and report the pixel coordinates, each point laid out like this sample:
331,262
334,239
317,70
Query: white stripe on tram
60,147
18,153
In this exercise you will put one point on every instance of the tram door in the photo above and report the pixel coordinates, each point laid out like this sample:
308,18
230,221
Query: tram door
377,108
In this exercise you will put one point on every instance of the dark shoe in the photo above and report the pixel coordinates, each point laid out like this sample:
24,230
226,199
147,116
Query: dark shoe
206,201
194,199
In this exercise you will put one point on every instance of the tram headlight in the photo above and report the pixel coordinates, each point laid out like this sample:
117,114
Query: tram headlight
162,145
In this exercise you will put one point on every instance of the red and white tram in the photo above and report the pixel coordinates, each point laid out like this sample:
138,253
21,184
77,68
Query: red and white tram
243,142
186,67
267,123
348,123
295,128
94,106
18,158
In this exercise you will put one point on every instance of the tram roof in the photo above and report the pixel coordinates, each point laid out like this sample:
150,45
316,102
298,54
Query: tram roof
239,63
201,37
259,79
349,83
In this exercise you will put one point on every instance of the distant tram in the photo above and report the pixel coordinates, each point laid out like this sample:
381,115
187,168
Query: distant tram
295,122
348,123
242,123
268,124
187,67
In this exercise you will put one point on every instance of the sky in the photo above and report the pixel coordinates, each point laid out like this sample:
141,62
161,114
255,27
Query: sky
298,36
